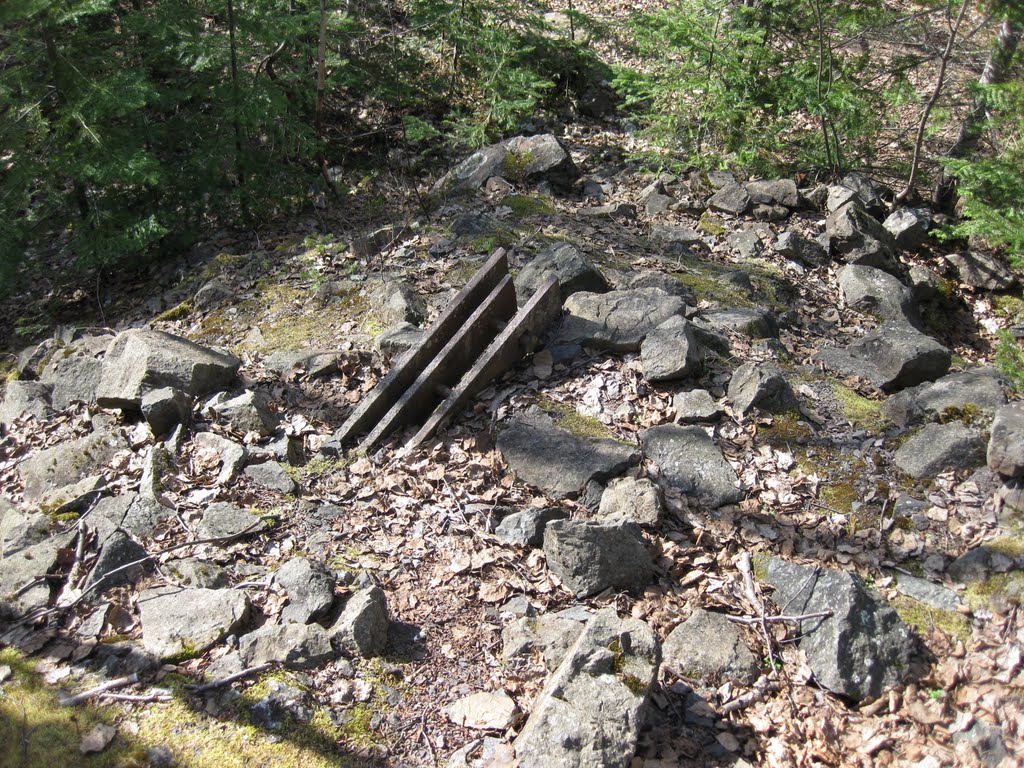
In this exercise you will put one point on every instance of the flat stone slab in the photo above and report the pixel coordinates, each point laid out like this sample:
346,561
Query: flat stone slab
591,709
572,270
689,459
176,620
557,461
617,320
858,652
938,447
225,520
709,648
141,360
68,462
892,357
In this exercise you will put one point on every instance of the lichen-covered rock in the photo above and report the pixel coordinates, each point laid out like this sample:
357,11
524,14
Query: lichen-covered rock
978,391
591,709
68,462
671,351
892,357
938,447
362,626
632,499
689,459
309,586
570,267
862,649
708,647
176,621
617,320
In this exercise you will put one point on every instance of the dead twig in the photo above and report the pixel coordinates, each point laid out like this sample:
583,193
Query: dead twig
230,678
744,564
761,688
110,685
770,619
142,698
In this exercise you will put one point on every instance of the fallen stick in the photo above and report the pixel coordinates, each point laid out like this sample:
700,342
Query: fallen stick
229,679
110,685
143,698
747,569
762,688
769,619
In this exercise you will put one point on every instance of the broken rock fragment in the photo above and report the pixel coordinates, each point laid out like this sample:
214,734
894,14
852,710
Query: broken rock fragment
591,557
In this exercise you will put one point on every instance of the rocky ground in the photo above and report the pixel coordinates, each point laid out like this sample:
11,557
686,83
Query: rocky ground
754,498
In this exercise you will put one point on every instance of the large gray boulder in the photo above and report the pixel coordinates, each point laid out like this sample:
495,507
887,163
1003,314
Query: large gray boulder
938,447
591,557
671,351
983,271
1006,444
31,398
709,648
526,527
591,709
955,394
877,293
862,649
774,192
572,270
557,461
892,357
521,159
617,320
857,238
177,621
632,499
909,226
296,645
731,198
689,459
68,462
75,374
799,248
142,360
755,385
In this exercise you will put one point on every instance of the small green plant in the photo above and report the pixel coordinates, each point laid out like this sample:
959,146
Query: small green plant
1010,360
178,312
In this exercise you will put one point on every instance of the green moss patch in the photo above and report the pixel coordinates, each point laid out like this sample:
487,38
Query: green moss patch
572,421
860,411
924,619
179,312
528,205
999,588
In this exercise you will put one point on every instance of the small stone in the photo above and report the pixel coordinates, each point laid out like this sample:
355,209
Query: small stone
983,271
249,412
309,586
484,711
176,620
892,357
397,340
362,626
30,398
877,293
670,351
1006,444
97,739
695,406
193,572
731,198
746,243
570,267
799,248
223,520
631,499
296,645
761,386
232,455
938,447
689,459
909,226
526,527
272,476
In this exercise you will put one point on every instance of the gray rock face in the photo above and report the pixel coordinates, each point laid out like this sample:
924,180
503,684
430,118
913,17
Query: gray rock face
222,519
924,283
746,243
731,198
18,531
979,563
296,645
556,461
690,460
271,475
193,572
708,647
775,192
141,360
667,233
590,711
933,595
211,295
983,742
30,398
552,634
362,626
938,447
859,651
543,157
858,238
591,557
754,322
176,620
668,283
877,293
472,172
617,320
75,371
32,360
397,340
249,412
624,211
866,193
670,351
108,571
909,226
395,302
980,388
982,270
166,408
631,499
1006,445
232,455
754,385
695,407
526,528
29,565
892,357
572,270
838,196
799,248
310,589
68,462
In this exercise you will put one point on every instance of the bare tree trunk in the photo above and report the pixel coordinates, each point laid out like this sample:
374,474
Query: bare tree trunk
321,79
235,122
1000,58
940,81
